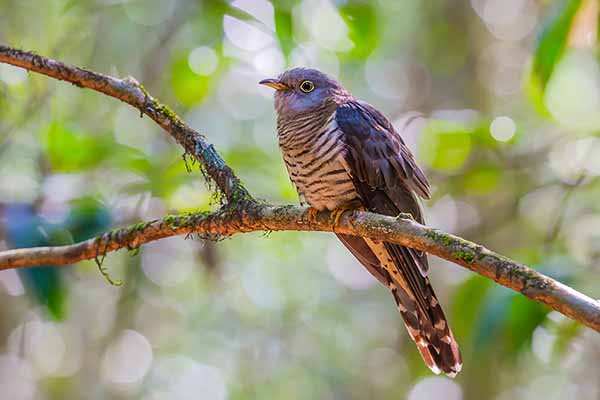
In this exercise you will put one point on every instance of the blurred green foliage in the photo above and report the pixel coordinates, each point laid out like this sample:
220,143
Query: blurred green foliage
189,87
553,40
446,145
71,152
284,27
363,27
551,45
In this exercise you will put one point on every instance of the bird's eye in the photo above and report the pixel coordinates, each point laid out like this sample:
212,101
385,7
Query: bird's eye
307,86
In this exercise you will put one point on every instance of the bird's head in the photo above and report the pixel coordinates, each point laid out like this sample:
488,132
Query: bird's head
303,90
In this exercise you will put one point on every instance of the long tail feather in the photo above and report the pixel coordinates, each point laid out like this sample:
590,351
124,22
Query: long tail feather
423,317
430,332
422,314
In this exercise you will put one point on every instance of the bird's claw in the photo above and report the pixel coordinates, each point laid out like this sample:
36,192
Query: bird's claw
336,215
404,215
312,214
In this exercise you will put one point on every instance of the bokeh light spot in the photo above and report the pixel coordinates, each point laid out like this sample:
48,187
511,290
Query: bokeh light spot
262,10
43,346
12,75
244,35
16,378
203,60
127,359
12,283
325,25
168,262
258,285
507,19
434,388
182,378
346,269
573,93
503,129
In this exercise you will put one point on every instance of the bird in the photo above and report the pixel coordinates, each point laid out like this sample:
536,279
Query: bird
342,154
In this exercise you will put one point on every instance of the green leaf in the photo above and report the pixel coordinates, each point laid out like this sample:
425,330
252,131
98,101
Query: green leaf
130,159
473,288
69,151
482,180
445,146
59,236
69,4
523,317
88,217
506,321
488,325
552,41
362,21
189,87
284,29
47,285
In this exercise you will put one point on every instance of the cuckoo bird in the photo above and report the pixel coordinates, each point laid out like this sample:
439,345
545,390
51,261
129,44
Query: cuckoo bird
343,154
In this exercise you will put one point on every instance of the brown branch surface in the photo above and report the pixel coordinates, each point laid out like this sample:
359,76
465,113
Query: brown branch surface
243,214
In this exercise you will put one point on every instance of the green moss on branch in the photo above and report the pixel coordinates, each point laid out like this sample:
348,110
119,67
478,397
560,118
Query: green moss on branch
464,255
440,237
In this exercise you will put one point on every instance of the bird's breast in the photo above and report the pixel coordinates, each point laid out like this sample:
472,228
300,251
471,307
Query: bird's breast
314,156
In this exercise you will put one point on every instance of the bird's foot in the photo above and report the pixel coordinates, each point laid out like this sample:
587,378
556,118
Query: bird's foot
311,215
336,215
404,215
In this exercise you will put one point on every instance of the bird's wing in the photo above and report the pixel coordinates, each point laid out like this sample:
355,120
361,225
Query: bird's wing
378,155
387,177
382,167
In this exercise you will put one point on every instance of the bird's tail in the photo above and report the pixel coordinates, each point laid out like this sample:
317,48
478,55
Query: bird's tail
429,330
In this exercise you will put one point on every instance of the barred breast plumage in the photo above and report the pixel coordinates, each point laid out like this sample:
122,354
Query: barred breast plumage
312,150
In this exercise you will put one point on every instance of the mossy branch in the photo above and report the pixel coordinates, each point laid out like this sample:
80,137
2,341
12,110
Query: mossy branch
243,214
130,91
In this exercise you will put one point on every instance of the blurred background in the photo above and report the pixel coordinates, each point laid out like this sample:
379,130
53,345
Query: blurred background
511,148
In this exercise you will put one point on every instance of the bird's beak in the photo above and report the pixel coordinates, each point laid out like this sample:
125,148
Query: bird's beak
274,83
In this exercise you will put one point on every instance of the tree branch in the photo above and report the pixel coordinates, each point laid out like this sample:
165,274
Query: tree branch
250,217
132,92
243,214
